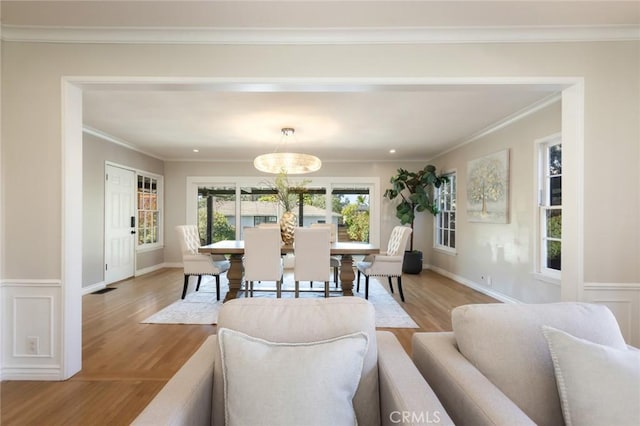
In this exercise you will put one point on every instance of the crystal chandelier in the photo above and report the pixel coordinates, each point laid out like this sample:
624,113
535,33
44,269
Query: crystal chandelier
291,163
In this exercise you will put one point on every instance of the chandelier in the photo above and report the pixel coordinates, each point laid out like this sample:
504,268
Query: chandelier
291,163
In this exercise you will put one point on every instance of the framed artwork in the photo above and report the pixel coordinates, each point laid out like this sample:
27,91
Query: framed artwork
488,188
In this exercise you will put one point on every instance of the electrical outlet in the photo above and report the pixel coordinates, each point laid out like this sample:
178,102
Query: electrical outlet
33,345
489,280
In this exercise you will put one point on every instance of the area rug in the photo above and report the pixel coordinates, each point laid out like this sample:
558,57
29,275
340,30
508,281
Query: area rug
202,308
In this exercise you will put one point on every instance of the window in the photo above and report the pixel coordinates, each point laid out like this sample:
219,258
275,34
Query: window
445,221
550,206
222,209
149,206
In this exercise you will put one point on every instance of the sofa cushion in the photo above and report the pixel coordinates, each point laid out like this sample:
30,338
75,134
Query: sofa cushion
505,342
309,383
303,321
598,385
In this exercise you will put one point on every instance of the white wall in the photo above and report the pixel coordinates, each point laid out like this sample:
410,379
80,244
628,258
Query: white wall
504,252
32,144
95,152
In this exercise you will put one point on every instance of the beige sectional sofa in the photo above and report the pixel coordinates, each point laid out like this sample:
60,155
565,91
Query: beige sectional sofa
502,366
390,390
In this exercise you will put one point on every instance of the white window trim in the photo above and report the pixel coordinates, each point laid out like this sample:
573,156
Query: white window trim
160,243
439,247
541,272
193,182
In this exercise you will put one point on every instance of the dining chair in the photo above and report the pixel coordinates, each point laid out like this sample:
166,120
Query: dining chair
386,264
334,260
262,257
312,249
198,264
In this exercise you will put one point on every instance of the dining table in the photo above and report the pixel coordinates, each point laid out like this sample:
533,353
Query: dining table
235,250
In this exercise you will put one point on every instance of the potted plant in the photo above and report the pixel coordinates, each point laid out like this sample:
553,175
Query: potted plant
287,194
415,190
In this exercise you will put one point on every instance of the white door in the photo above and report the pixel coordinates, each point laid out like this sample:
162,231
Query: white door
119,224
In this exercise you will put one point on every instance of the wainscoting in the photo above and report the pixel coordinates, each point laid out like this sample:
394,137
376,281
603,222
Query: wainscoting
31,324
624,301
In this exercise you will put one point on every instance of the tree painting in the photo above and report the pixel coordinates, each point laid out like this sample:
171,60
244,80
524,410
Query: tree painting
488,188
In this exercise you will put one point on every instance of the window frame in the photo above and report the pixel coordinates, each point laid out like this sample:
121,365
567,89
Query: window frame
542,207
437,245
159,243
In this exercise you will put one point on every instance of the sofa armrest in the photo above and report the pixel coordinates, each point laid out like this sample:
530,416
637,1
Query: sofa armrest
465,392
186,399
405,397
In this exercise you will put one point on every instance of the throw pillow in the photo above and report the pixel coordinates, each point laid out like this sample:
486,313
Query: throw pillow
598,384
290,383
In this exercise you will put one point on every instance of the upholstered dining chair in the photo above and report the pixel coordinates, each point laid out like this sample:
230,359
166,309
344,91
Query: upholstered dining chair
334,260
198,264
386,264
262,257
311,248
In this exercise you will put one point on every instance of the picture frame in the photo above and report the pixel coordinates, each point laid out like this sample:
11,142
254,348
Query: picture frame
488,188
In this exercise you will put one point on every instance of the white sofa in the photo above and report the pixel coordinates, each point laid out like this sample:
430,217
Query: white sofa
390,391
496,368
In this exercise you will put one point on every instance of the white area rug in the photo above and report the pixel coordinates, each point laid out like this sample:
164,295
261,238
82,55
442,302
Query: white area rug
202,308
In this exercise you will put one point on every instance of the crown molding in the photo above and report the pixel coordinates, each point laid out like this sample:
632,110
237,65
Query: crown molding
110,138
386,35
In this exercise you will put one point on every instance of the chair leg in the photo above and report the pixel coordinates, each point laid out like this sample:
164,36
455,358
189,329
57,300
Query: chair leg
218,287
311,284
366,287
390,285
326,289
186,285
198,285
335,276
358,282
400,288
297,290
279,289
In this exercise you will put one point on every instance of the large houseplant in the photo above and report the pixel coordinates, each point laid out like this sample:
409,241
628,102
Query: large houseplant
416,193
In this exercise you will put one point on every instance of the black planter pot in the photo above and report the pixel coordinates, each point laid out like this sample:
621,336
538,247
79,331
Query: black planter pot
412,263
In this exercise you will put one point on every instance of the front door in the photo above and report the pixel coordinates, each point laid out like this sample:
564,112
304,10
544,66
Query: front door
119,224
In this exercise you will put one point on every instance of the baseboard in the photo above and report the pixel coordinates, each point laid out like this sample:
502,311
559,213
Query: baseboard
36,373
172,265
153,268
489,292
93,287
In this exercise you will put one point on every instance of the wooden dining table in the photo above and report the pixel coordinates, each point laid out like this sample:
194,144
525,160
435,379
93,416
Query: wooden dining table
235,250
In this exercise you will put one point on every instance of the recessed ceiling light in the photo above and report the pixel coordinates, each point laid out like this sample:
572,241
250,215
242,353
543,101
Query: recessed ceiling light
392,151
196,150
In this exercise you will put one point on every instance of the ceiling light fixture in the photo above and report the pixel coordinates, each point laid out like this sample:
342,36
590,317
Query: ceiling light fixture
291,163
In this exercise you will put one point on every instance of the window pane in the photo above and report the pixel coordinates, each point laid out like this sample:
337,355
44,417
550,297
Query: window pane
453,221
555,160
350,210
555,191
314,207
216,213
554,223
452,239
554,255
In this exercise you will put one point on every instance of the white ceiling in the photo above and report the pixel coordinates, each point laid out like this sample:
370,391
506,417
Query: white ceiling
333,122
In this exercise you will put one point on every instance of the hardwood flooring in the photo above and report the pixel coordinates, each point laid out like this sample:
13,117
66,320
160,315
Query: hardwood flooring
125,363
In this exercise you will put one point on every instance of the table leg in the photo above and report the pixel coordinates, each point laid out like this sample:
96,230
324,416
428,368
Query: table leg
346,275
234,275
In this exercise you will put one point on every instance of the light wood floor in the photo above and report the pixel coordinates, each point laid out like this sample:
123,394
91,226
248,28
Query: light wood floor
126,363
